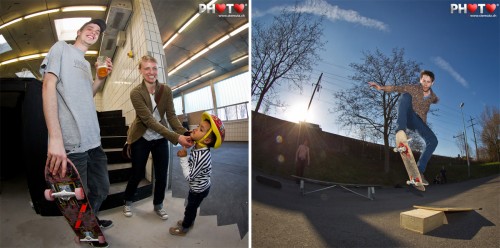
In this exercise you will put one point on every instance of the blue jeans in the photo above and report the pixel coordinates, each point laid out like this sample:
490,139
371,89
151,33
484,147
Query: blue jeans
408,119
194,201
140,153
92,166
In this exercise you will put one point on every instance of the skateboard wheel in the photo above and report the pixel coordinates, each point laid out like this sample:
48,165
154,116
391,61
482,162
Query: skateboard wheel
408,182
79,194
101,239
48,195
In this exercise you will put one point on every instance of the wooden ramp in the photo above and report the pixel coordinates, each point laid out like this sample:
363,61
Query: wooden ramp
424,219
370,187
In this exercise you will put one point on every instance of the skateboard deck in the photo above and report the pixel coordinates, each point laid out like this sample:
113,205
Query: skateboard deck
447,209
69,196
411,166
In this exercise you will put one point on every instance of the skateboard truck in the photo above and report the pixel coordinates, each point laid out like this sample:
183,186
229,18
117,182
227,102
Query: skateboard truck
401,148
88,238
65,195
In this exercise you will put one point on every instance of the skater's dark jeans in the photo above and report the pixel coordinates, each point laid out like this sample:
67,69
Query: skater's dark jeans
92,166
408,119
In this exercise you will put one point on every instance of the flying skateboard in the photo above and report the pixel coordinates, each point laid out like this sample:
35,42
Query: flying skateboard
70,198
411,166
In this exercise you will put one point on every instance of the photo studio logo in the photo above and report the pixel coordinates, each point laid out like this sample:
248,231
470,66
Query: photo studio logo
224,10
474,9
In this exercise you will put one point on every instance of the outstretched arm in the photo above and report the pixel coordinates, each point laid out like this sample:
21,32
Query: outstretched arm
386,88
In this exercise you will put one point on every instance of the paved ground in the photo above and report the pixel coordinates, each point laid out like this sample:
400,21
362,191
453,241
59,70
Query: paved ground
337,218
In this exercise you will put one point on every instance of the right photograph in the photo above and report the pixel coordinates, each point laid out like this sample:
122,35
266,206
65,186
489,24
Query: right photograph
375,124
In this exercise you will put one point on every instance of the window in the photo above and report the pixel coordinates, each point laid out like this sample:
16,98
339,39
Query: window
233,112
198,100
233,90
178,105
67,28
4,45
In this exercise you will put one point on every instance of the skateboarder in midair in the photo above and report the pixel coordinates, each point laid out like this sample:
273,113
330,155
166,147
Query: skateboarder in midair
414,103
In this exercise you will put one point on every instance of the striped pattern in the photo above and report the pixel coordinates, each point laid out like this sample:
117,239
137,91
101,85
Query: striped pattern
200,168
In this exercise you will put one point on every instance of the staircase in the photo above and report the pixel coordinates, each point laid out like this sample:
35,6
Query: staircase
113,136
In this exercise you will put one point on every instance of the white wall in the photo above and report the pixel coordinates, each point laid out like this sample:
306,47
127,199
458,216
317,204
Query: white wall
143,38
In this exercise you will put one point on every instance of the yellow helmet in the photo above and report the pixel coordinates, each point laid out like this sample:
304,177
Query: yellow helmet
219,131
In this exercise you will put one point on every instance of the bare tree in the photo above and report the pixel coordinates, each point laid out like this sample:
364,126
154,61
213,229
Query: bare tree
490,134
363,107
283,52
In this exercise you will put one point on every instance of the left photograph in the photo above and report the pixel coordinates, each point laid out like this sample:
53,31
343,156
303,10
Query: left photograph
124,123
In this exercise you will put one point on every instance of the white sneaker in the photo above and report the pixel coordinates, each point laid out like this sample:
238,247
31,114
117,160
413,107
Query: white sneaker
162,213
127,211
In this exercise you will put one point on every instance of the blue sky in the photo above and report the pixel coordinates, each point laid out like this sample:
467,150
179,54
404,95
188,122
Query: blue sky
463,51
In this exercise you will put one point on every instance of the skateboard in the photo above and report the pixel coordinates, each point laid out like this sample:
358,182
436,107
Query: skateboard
447,209
411,166
70,198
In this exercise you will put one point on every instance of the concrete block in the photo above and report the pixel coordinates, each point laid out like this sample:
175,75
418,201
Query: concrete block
422,220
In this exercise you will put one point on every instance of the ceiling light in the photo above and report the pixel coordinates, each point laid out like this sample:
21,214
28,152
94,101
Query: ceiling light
189,22
67,28
208,73
238,59
33,56
91,52
225,37
192,80
241,28
170,40
199,54
179,67
84,8
9,61
41,13
11,22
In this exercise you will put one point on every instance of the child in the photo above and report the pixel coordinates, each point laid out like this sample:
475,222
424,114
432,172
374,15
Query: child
197,170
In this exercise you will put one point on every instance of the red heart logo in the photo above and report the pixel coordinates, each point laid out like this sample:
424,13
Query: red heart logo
239,7
491,7
220,7
472,7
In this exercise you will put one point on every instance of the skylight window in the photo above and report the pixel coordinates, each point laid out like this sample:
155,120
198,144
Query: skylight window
4,46
67,28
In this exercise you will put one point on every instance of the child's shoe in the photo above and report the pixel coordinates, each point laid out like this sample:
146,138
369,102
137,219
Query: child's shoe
178,231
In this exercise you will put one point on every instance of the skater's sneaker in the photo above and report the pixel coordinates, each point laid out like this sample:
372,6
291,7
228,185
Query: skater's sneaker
97,244
162,213
127,211
424,181
105,224
178,231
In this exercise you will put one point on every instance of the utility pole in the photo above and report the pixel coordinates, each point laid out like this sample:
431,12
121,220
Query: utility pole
465,139
474,132
316,88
